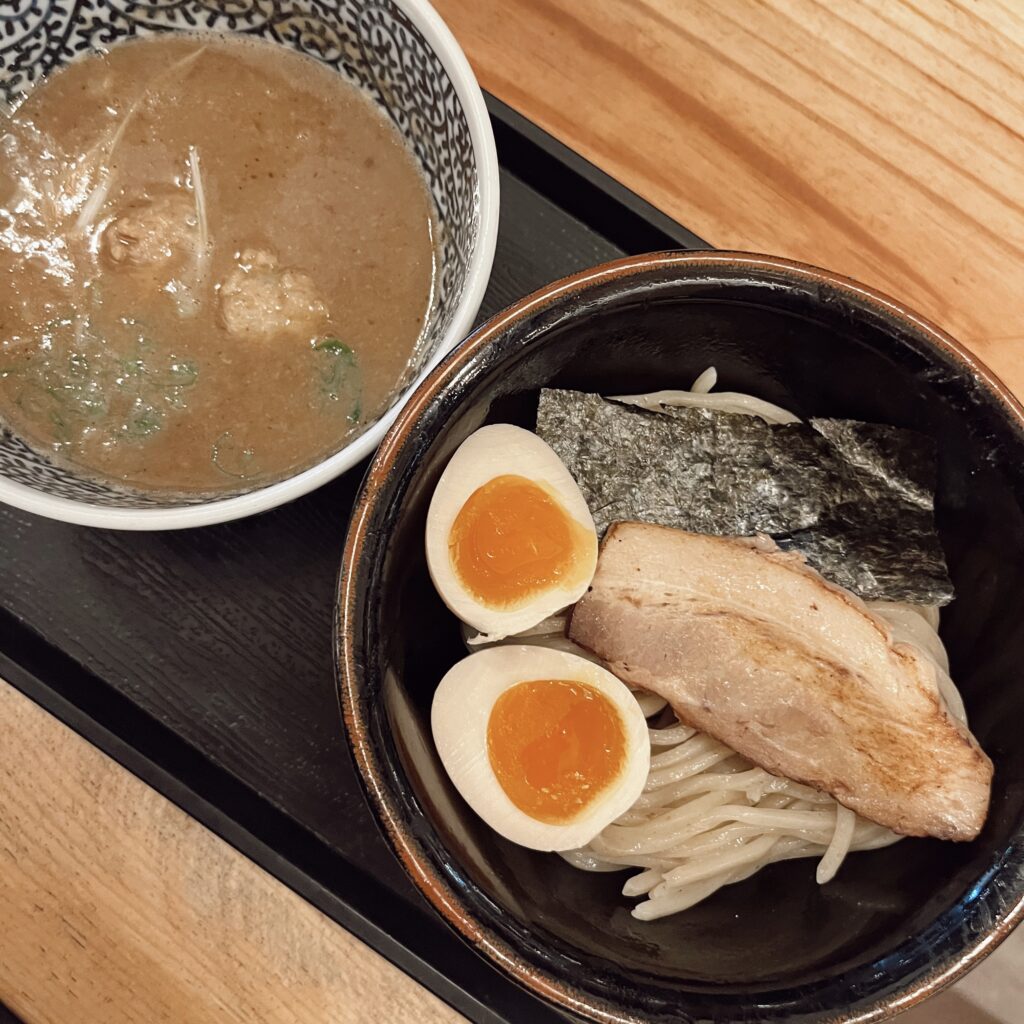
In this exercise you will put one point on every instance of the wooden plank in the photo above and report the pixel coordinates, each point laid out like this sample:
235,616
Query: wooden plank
881,139
119,907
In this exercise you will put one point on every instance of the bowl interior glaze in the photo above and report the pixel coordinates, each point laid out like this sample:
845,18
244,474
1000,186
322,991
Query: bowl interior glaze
896,923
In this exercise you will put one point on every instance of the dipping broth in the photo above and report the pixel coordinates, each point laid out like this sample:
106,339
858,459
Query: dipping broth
216,262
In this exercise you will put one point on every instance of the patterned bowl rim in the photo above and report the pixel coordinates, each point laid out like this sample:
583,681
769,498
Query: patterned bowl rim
220,510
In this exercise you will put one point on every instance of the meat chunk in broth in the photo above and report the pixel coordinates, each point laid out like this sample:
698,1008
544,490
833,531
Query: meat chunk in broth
260,300
152,232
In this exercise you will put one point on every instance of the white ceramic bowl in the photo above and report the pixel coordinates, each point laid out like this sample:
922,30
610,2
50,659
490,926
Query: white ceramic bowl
404,54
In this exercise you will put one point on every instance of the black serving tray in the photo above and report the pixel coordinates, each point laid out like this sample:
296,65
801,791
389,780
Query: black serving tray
201,659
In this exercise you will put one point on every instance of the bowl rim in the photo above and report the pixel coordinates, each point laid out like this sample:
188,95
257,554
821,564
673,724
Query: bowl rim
220,510
404,844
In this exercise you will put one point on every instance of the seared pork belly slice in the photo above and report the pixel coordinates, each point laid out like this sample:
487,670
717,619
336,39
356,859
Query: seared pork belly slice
750,645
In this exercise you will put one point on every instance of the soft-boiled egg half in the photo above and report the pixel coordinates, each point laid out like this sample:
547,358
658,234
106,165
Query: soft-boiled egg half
510,539
547,747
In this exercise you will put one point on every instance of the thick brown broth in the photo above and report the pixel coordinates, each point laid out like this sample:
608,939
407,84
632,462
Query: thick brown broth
152,348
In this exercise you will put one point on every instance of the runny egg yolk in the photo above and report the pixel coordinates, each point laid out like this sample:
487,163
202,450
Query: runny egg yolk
554,746
512,539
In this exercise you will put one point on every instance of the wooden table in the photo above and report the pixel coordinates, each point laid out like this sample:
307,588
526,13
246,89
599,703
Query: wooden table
880,138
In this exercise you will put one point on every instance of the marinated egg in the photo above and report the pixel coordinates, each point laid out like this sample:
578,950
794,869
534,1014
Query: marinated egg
547,747
509,537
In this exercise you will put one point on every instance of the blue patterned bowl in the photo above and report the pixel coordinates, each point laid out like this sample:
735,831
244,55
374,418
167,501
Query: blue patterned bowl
398,50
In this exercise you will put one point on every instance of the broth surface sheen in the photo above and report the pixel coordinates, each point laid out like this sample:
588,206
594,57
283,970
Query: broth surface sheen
216,262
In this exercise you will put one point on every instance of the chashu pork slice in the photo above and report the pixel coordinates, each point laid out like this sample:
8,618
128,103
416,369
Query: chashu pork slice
751,646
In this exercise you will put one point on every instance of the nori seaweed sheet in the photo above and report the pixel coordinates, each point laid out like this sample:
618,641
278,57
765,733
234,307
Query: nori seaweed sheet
856,499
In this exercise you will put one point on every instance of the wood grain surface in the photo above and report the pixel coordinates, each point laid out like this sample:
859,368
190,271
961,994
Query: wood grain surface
879,138
115,906
883,139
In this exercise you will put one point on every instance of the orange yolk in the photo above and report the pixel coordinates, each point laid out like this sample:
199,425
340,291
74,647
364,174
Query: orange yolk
512,539
554,745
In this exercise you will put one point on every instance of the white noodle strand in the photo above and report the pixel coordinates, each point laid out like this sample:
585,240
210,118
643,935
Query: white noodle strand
839,846
721,401
705,382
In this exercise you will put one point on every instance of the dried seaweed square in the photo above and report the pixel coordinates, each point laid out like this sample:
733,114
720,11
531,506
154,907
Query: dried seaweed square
855,498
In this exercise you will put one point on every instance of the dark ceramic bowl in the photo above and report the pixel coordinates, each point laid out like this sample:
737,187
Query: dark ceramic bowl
897,924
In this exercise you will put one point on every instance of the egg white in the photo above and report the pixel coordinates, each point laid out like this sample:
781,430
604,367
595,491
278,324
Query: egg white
459,718
493,451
